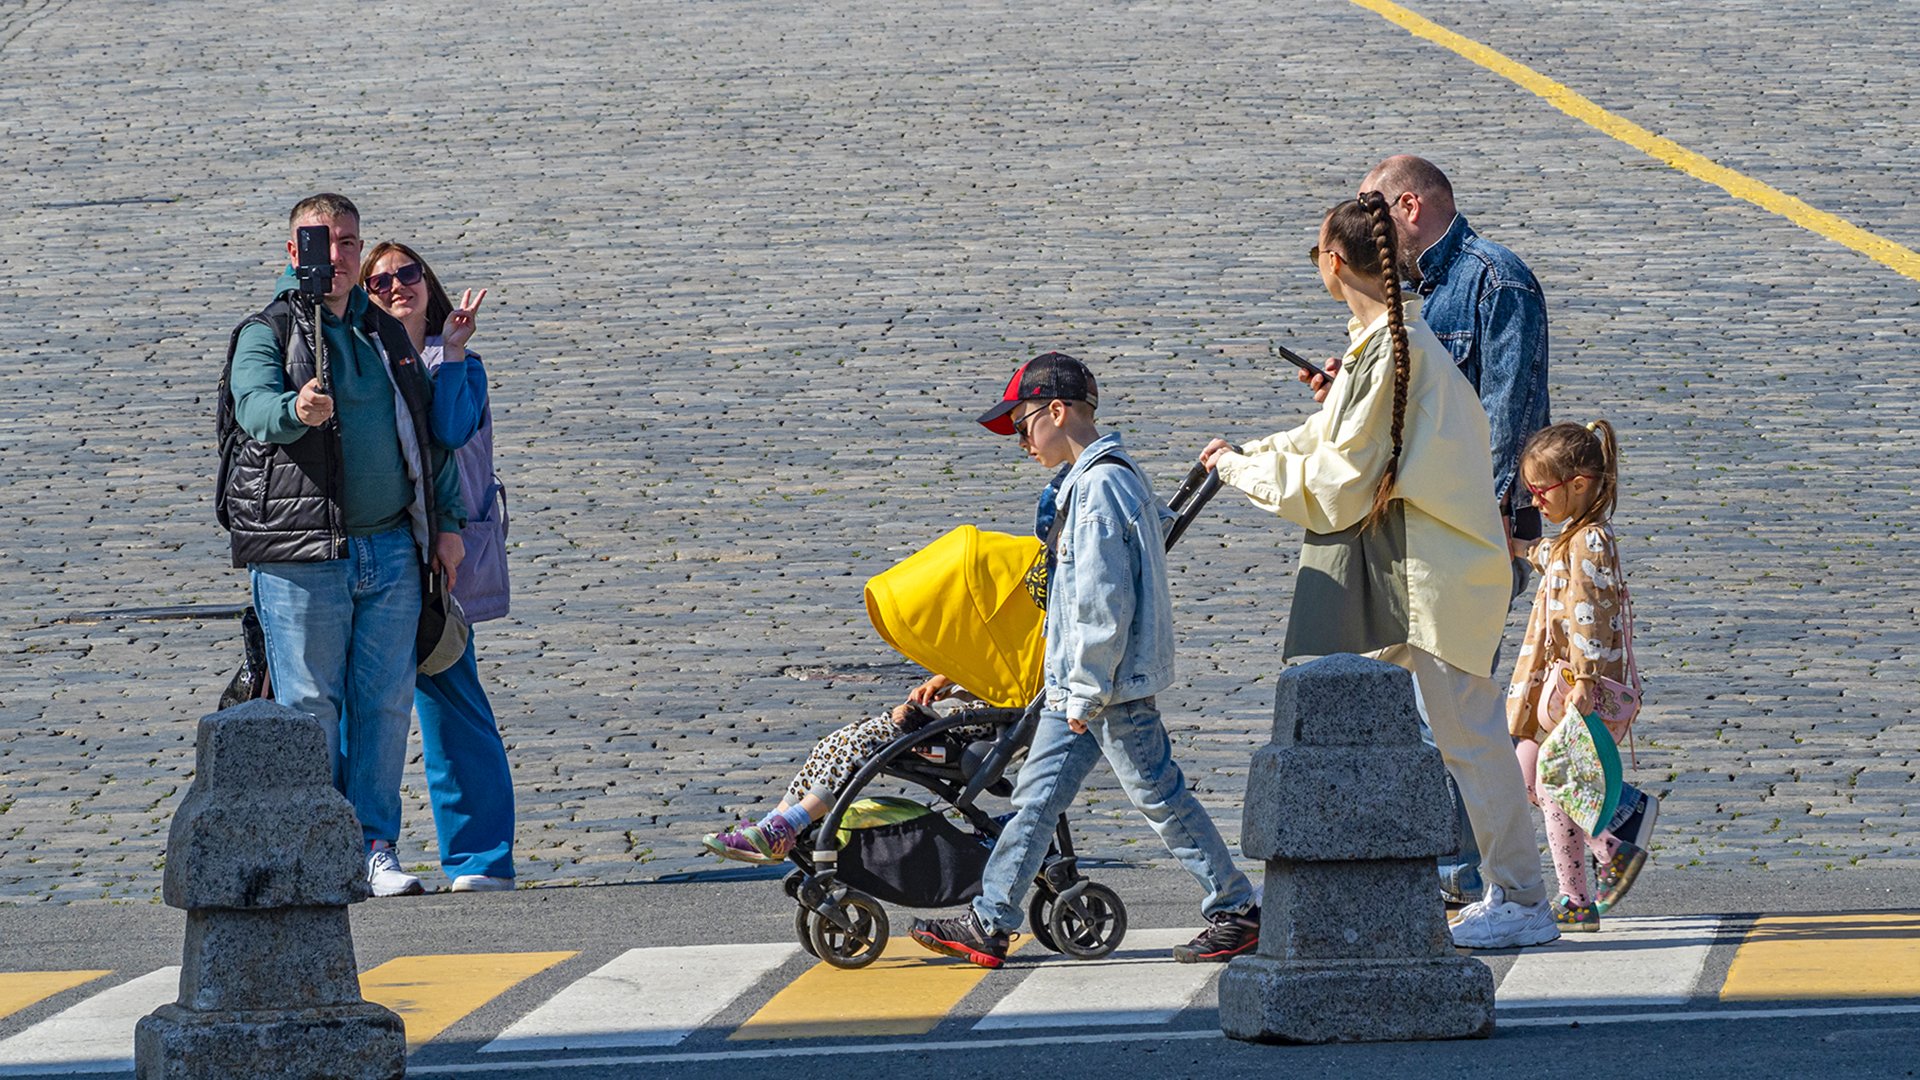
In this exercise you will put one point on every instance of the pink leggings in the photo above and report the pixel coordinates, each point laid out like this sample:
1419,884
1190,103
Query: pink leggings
1568,842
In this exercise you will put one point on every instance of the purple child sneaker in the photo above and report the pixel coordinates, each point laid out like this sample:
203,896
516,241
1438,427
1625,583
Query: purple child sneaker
750,843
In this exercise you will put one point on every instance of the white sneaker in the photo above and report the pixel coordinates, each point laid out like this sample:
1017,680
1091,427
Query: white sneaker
385,875
1494,922
482,883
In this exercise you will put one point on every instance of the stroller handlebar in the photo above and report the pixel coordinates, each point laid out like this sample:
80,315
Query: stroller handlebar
1190,498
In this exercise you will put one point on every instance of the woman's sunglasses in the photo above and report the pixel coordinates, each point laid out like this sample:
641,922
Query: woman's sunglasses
405,275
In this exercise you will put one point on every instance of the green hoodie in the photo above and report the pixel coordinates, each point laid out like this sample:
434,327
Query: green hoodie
377,489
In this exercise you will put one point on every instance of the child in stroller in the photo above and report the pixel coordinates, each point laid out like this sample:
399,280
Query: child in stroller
831,764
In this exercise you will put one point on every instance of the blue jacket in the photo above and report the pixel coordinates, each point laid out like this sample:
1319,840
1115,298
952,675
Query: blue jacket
1109,626
462,422
1486,307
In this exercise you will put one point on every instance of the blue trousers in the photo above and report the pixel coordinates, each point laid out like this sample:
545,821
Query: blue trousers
1135,743
340,649
468,781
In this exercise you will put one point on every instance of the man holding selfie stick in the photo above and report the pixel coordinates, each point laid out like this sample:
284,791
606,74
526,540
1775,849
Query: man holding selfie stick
326,496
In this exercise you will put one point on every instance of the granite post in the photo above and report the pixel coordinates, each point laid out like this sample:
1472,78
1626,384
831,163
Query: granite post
264,855
1348,808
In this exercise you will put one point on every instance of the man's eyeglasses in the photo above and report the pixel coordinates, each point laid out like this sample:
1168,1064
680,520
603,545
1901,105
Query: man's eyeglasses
1541,493
406,275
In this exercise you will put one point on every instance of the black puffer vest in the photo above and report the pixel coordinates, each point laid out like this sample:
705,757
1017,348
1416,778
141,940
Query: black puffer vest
281,502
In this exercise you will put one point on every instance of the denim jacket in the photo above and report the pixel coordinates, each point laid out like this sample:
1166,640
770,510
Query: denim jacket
1109,623
1486,307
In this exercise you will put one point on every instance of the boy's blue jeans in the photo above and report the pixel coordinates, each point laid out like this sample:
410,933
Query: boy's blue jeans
1136,745
340,648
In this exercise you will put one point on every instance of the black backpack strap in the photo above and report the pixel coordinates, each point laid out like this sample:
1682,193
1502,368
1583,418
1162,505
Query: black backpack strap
226,424
279,317
1060,518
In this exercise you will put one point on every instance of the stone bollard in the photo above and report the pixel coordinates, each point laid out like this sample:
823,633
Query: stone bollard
265,856
1348,808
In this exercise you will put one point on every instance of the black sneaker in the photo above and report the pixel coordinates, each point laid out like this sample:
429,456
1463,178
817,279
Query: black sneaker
963,937
1226,936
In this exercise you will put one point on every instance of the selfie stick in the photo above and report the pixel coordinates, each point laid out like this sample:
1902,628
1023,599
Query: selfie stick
315,273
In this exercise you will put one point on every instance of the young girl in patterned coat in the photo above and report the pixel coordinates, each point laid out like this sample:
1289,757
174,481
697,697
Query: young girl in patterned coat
1579,617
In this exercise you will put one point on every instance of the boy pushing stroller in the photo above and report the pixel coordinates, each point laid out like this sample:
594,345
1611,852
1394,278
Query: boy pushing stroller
1108,650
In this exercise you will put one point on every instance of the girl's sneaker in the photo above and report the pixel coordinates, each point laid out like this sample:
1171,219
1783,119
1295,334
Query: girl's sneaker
750,843
1617,875
1583,918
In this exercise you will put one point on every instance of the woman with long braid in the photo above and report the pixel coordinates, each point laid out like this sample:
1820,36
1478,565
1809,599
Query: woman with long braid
1405,558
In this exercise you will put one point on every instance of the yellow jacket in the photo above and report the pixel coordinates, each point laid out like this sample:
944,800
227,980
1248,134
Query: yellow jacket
1435,574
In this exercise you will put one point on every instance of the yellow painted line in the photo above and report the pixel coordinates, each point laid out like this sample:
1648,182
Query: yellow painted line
19,989
1900,259
908,991
1827,956
432,992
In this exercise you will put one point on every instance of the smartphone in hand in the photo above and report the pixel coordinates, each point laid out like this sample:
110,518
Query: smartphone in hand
1291,357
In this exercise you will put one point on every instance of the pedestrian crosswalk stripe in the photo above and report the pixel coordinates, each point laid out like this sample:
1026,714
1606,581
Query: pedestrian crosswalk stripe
94,1035
19,989
1827,956
431,993
644,997
908,991
1640,961
1138,984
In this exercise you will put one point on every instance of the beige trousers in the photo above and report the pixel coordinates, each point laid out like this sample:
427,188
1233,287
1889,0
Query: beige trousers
1469,722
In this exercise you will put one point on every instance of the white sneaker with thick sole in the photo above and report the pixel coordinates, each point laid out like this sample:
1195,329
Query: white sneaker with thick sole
482,883
1494,922
385,875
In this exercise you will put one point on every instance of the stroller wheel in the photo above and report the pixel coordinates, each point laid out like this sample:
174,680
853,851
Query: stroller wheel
1039,911
1088,926
803,926
859,943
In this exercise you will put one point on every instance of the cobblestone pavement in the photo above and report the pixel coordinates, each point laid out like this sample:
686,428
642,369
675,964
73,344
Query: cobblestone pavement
755,265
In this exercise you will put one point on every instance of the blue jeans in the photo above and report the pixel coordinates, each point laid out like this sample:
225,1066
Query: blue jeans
1135,744
467,778
340,649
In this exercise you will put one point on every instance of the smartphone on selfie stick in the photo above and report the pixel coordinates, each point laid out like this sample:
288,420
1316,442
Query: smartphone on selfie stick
313,268
1298,361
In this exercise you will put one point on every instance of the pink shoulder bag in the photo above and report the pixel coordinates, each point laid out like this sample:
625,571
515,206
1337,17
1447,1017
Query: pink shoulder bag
1617,703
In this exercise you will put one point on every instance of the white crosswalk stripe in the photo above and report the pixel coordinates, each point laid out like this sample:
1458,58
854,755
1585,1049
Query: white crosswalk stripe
644,997
95,1035
1139,984
1644,961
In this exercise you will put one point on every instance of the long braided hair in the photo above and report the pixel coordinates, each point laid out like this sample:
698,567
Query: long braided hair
1362,231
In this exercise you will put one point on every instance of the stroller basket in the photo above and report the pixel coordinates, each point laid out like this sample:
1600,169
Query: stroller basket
927,862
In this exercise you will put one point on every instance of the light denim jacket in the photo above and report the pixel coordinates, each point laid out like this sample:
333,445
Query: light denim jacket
1487,308
1109,626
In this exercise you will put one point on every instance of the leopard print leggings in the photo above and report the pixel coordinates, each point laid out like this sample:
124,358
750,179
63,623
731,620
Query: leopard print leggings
838,756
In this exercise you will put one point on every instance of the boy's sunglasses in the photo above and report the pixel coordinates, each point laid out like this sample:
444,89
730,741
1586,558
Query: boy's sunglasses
1023,427
405,275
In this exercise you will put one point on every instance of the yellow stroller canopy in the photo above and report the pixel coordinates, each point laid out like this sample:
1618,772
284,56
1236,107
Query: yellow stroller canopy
965,607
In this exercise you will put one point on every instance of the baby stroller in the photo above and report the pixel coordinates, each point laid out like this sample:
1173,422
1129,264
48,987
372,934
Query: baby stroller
930,861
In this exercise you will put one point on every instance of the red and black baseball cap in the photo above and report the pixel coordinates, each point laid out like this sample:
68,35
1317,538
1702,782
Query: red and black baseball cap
1048,377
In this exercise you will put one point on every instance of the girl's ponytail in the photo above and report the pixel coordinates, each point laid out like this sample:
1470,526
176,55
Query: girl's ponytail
1564,451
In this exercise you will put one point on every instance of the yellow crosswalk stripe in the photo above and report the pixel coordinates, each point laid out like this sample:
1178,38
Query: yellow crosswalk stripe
19,989
908,991
431,993
1827,956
